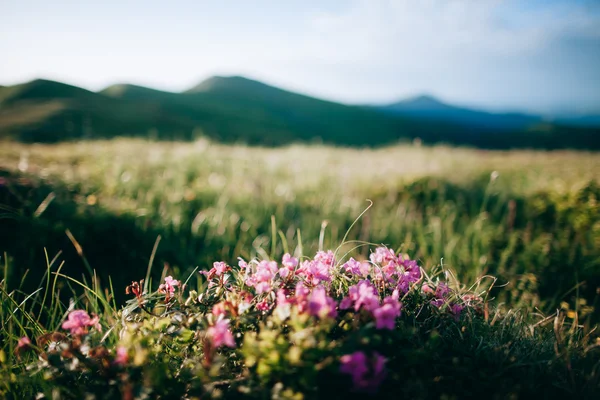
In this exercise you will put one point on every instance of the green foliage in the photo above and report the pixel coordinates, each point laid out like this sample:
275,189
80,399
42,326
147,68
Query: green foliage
91,214
534,226
160,344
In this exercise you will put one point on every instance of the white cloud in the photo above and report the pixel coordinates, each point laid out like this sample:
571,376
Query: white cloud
439,29
455,48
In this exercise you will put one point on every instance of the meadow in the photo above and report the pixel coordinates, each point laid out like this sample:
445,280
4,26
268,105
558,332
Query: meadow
102,212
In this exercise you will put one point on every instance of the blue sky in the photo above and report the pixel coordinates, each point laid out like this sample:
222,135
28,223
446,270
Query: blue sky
532,55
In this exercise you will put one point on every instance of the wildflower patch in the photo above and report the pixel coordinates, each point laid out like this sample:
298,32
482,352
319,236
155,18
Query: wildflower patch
254,328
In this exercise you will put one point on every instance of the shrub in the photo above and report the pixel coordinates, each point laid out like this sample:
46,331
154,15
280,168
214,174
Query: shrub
299,328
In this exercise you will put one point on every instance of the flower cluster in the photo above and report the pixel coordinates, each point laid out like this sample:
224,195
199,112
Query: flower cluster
168,288
218,269
260,320
367,374
374,289
220,335
78,322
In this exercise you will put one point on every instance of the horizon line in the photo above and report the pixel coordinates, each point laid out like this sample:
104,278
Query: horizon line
437,98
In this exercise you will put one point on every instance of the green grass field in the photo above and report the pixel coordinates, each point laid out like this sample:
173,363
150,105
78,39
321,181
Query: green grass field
503,213
529,218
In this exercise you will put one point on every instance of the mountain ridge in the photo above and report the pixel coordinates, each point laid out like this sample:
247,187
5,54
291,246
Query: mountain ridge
236,108
228,82
426,106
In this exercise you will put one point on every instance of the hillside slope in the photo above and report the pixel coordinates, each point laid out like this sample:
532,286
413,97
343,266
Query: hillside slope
432,108
48,111
237,109
226,109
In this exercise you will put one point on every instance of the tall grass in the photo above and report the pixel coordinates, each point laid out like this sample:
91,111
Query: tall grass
430,354
81,221
529,217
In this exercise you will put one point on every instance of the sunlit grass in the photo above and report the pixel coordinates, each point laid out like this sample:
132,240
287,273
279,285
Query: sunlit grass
99,214
210,166
474,211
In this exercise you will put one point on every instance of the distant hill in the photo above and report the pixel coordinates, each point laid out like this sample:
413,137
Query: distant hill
48,111
233,84
129,91
230,109
238,109
432,108
579,120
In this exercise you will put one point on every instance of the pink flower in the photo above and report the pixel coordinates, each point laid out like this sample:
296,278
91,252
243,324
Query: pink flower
442,290
354,364
78,321
394,270
390,269
441,293
315,271
219,309
263,277
220,335
262,287
250,281
289,262
320,305
301,297
411,270
346,303
427,289
268,267
352,266
438,302
456,310
289,265
382,256
325,257
23,343
284,272
263,306
366,374
282,297
168,287
365,268
385,316
218,269
407,278
361,295
121,356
